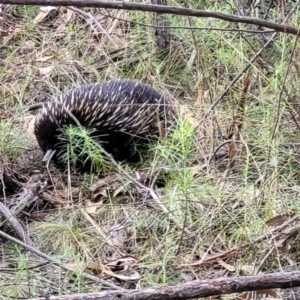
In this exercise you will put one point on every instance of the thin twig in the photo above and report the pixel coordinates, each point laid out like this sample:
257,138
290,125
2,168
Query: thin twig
15,224
3,184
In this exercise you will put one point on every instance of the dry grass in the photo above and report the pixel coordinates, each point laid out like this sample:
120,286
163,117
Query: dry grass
223,206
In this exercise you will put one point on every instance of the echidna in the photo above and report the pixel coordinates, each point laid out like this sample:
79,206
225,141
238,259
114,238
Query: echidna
120,112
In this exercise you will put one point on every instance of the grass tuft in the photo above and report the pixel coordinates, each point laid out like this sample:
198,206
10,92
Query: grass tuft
224,206
78,147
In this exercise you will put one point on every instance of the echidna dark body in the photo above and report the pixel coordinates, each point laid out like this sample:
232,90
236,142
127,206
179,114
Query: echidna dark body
121,112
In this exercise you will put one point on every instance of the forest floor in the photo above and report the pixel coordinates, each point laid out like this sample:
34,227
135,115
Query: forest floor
228,181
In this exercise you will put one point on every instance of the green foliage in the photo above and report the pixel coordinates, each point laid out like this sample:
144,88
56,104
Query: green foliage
27,12
174,152
11,140
77,146
222,206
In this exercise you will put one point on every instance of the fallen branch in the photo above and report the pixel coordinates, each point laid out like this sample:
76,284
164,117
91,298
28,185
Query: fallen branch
160,9
15,225
196,289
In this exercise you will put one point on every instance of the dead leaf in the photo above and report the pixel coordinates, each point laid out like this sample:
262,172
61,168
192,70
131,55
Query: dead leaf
119,40
282,237
120,268
60,30
118,191
228,267
249,269
93,208
279,220
44,11
103,193
46,70
68,15
66,192
187,114
130,275
10,89
44,59
53,199
232,152
27,47
102,186
122,274
102,182
96,267
213,258
122,263
202,95
28,123
272,295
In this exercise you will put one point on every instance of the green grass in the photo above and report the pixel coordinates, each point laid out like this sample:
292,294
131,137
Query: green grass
11,140
78,147
223,207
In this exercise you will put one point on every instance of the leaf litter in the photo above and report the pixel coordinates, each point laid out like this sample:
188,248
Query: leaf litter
106,225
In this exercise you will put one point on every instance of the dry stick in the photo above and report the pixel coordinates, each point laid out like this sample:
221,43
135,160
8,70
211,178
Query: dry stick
93,19
159,9
161,33
27,195
274,234
58,263
9,214
34,106
3,184
196,289
15,224
17,227
257,269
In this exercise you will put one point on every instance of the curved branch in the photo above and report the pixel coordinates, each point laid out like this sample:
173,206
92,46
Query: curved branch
160,9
